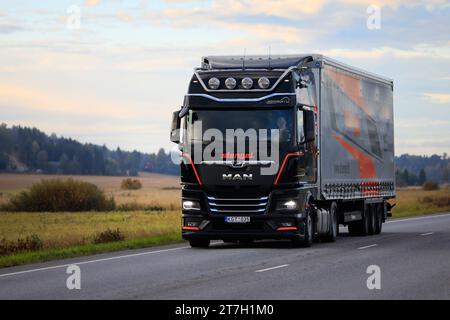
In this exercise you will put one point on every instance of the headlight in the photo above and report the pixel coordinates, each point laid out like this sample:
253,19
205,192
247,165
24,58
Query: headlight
230,83
263,83
247,83
191,205
214,83
287,205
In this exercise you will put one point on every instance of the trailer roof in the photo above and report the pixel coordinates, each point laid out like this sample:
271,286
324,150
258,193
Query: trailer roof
278,62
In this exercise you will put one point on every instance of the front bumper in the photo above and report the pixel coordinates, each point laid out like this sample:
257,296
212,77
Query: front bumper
265,225
259,228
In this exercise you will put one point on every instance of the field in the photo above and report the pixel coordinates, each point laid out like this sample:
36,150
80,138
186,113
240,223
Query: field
162,190
66,234
415,201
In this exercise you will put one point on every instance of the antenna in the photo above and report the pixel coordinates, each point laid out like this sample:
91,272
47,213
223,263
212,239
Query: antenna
269,57
243,60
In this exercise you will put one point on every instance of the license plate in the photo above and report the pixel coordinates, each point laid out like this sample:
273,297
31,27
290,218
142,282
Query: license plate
239,219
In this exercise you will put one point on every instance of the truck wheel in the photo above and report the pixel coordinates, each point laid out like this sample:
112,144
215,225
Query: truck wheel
379,218
360,228
365,222
333,231
372,218
309,234
199,243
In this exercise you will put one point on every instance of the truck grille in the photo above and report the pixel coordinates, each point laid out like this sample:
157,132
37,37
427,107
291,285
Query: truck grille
238,205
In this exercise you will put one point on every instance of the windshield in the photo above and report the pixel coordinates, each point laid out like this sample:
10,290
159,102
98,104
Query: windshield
281,119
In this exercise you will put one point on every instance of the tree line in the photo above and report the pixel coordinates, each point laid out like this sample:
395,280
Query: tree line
24,149
412,170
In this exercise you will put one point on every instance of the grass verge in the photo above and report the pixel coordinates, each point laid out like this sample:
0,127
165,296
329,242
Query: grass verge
87,249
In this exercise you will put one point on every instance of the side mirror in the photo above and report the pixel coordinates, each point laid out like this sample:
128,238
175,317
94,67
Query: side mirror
175,129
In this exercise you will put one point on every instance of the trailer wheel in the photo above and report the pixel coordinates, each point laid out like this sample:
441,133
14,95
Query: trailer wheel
360,228
372,210
379,218
334,225
199,243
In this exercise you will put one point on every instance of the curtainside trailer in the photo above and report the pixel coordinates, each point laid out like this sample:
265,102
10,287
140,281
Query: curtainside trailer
284,147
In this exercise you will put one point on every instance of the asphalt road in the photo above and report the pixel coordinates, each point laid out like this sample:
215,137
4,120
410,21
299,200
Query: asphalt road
413,256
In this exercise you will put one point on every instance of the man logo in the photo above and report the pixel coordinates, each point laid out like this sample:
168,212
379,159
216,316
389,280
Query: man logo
237,176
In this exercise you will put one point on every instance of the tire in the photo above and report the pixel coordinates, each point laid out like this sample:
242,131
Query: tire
307,241
199,243
360,228
372,209
334,225
379,209
365,222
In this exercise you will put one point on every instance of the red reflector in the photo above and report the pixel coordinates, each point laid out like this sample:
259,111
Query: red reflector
191,228
286,228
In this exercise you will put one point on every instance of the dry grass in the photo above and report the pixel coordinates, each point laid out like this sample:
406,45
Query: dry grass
65,229
157,189
10,181
414,201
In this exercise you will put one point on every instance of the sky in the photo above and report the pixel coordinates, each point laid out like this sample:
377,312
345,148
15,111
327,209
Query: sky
112,72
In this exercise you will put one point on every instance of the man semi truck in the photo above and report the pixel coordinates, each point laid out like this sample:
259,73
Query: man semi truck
332,152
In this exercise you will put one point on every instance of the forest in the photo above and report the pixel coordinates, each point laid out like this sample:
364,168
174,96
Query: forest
24,149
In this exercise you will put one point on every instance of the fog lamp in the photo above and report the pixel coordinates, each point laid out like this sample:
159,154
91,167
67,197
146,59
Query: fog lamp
263,82
214,83
191,205
247,83
230,83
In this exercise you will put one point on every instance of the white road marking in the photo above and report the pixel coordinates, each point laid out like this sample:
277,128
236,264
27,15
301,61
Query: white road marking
369,246
90,261
272,268
427,234
420,218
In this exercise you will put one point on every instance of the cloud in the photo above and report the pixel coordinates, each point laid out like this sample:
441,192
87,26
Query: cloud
441,98
53,101
421,123
396,4
91,3
434,51
11,28
426,146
